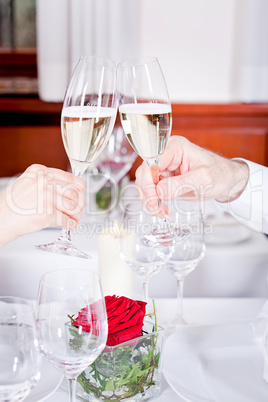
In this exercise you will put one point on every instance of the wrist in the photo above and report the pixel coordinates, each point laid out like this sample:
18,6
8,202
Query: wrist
6,234
237,179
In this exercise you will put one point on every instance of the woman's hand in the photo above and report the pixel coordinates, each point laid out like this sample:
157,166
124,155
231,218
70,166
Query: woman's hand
40,197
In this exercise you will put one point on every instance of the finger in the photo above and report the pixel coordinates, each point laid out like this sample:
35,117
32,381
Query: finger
181,186
68,207
172,156
60,176
64,221
71,193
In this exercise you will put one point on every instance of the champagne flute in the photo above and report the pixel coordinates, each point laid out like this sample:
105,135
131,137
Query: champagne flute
144,260
20,358
62,294
145,113
186,255
87,121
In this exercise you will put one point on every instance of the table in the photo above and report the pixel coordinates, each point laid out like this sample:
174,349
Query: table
228,270
201,311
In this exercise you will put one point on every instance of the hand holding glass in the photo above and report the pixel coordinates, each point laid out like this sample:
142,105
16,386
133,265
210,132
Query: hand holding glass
145,113
87,120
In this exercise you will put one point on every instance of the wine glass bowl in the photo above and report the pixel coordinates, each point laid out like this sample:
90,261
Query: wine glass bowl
62,295
118,156
144,107
144,260
20,359
186,255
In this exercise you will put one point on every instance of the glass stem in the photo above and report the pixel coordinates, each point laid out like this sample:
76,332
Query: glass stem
72,390
180,286
145,290
65,236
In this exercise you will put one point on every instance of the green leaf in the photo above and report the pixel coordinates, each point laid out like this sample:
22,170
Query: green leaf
110,385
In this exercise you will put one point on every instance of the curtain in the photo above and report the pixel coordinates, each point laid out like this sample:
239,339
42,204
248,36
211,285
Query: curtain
253,75
67,29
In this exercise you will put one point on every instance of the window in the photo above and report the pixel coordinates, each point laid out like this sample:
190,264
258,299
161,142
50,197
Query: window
18,70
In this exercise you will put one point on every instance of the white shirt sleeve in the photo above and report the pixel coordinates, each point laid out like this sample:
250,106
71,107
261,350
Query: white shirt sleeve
251,208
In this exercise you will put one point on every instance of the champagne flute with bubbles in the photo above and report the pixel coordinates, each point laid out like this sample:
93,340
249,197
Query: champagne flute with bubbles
87,121
146,117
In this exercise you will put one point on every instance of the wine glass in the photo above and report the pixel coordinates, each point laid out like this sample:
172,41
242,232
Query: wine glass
144,260
186,255
118,156
20,358
116,160
145,113
62,295
87,121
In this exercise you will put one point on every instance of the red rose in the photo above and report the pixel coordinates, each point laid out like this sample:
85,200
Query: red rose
125,319
89,317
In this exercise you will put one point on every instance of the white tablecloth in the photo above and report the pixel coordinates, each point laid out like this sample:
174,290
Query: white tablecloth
199,311
228,270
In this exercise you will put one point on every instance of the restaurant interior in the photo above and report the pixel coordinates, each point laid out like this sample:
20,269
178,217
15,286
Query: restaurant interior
214,57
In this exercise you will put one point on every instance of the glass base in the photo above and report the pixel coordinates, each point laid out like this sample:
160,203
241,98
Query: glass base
164,238
62,246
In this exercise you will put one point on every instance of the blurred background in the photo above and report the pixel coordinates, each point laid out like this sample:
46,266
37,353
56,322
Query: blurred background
214,55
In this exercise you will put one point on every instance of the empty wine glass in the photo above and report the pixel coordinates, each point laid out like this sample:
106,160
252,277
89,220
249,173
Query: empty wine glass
62,294
145,113
116,160
20,358
186,255
144,260
87,121
118,156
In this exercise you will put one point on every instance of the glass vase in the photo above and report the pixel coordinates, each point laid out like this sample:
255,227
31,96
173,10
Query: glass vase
129,371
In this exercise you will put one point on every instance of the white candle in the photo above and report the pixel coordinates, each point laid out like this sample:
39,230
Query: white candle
116,277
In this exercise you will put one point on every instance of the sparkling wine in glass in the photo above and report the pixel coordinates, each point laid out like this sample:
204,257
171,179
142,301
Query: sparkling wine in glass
62,295
87,121
19,355
146,117
144,107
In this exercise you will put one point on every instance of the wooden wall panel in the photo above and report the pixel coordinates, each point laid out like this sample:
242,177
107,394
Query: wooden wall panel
30,132
249,143
23,146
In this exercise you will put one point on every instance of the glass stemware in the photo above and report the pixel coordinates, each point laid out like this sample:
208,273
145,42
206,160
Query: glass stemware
62,294
87,121
118,156
145,261
145,113
20,358
186,255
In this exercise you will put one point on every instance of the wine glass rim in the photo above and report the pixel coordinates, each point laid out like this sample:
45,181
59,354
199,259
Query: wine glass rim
68,270
105,62
17,299
137,62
